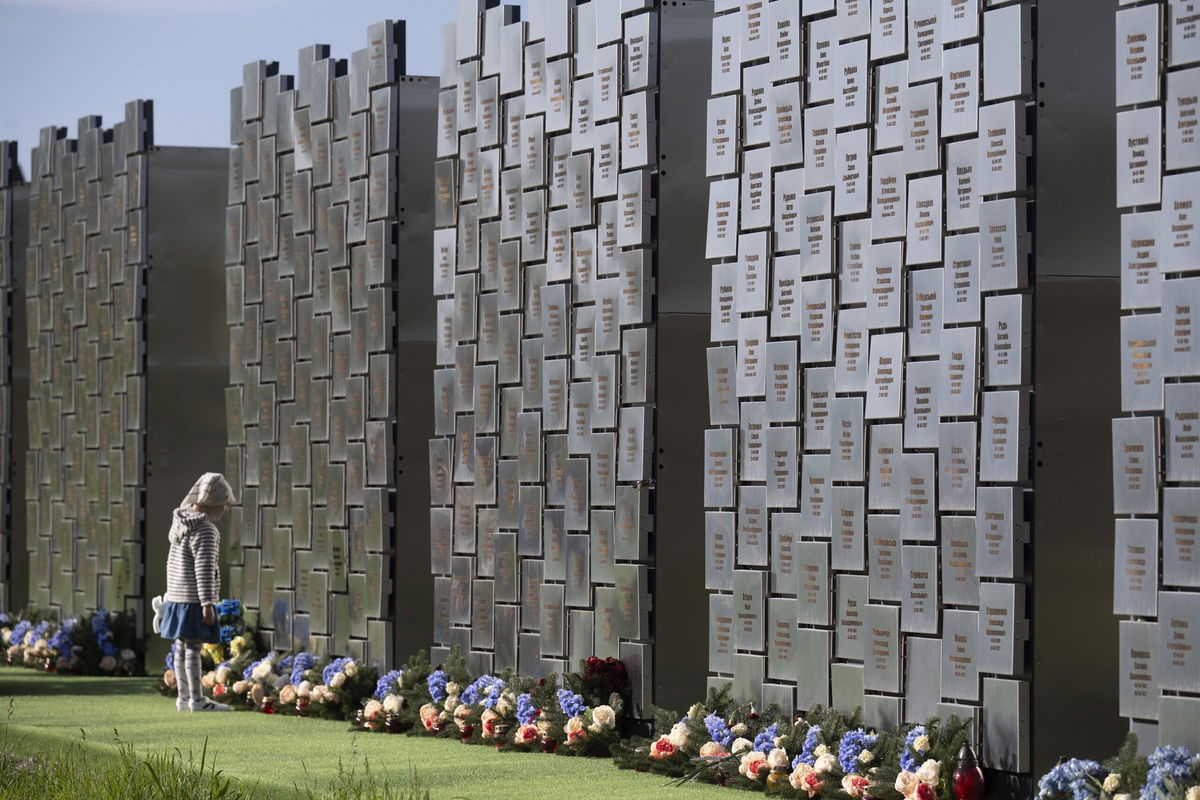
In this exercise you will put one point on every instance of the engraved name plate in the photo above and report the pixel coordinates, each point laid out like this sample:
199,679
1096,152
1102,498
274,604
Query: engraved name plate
1135,465
1135,560
1181,523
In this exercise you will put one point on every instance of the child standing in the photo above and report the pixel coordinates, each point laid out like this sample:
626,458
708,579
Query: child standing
194,584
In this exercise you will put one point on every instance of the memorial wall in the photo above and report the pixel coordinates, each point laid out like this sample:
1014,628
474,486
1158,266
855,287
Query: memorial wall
1156,464
312,271
85,316
10,174
868,461
544,272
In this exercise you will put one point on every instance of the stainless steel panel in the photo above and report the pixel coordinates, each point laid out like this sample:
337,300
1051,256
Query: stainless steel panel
957,466
781,455
604,391
1180,560
781,639
782,376
784,537
554,545
440,485
1003,628
1005,146
752,536
790,220
718,468
960,81
924,243
577,505
813,667
918,512
885,376
1005,422
960,654
722,148
883,556
1178,657
1007,324
847,505
1006,735
637,373
1139,34
891,82
846,422
753,460
530,455
823,36
632,523
721,239
962,208
960,293
925,312
1139,690
922,688
633,600
818,391
919,589
1004,243
922,150
532,360
749,591
579,424
578,577
756,191
851,372
726,54
959,366
812,567
881,670
529,510
603,469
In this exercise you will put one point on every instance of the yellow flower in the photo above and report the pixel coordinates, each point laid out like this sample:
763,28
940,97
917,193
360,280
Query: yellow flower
215,652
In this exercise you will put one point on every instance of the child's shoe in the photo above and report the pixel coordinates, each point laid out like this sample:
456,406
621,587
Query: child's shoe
207,705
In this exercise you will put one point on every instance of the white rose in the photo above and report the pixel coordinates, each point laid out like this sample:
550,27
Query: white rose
921,744
678,735
696,712
1112,782
712,749
304,689
906,783
825,763
1192,793
865,757
778,758
262,671
128,655
1130,797
929,772
241,687
820,750
452,688
223,675
451,702
337,681
603,717
739,729
503,707
741,744
318,692
351,669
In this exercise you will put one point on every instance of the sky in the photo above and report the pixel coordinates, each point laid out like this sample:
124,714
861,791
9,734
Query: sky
65,59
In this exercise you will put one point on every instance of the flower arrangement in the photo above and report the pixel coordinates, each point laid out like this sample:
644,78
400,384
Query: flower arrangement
1169,773
99,643
224,663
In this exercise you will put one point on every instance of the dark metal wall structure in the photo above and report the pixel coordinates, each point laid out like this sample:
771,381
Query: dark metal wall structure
1156,463
85,318
10,176
547,272
312,247
870,379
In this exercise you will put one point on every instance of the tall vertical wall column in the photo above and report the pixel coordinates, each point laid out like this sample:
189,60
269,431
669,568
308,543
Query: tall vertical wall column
10,174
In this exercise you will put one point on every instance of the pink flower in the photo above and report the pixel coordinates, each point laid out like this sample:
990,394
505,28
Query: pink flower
528,734
663,748
855,785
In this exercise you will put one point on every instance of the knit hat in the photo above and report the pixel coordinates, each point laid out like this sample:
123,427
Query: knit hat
211,490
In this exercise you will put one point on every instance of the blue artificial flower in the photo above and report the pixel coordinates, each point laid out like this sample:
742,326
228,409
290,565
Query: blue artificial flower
718,730
301,663
485,689
40,631
808,753
909,762
852,746
4,618
437,685
1074,777
526,712
224,664
765,741
383,686
284,665
571,704
19,630
333,668
61,641
1167,763
229,608
227,634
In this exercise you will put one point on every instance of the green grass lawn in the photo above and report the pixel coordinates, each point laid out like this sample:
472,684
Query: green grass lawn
276,755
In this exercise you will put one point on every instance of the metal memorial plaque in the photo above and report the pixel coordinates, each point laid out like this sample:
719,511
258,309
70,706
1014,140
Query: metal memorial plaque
960,585
1005,422
918,509
885,376
752,340
632,523
1007,60
1002,246
719,550
604,392
726,58
1139,154
719,477
881,669
960,291
959,365
1181,526
785,30
846,511
1179,641
922,151
818,392
889,196
883,556
781,639
814,656
819,147
749,591
1003,628
852,346
756,126
960,649
962,186
579,422
885,305
960,86
721,239
812,583
1135,465
1006,328
787,307
1000,530
1141,363
848,437
925,312
752,538
603,469
790,222
924,243
781,380
786,128
1138,683
752,272
1139,33
441,531
1004,148
784,526
814,495
817,229
637,364
823,35
851,162
721,623
1141,280
816,344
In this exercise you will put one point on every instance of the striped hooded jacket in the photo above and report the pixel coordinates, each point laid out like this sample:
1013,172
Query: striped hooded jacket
193,572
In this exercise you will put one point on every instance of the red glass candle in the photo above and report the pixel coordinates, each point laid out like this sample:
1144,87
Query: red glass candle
967,781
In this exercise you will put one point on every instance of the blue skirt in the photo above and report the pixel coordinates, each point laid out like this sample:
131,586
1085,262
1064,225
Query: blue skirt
186,621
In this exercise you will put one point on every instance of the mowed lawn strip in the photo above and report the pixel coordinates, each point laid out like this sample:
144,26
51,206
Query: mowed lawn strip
280,753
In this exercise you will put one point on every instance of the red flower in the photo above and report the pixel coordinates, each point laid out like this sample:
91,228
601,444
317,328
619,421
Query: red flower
663,748
219,690
925,792
489,727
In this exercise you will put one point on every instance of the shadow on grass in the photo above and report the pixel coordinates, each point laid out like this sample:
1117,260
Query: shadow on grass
47,685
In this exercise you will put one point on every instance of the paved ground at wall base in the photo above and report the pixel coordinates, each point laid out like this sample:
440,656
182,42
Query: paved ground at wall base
280,753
